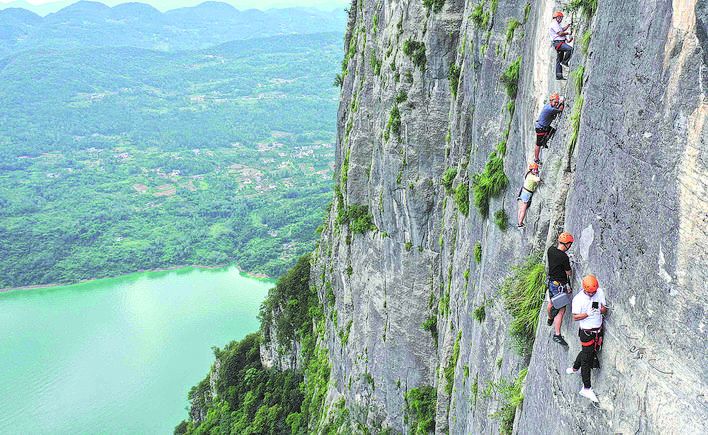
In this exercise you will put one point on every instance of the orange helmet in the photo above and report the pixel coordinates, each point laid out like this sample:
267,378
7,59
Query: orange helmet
533,166
557,14
566,238
590,283
554,97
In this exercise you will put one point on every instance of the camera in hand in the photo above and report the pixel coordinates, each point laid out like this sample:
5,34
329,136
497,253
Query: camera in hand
595,305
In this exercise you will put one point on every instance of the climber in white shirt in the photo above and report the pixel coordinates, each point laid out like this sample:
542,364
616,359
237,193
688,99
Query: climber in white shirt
559,39
589,306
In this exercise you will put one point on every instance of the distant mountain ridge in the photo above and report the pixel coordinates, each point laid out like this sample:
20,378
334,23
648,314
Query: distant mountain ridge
167,5
93,24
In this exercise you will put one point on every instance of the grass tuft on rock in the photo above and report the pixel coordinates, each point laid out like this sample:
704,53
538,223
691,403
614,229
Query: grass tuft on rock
501,219
451,364
489,183
462,198
511,27
510,78
585,42
453,75
510,397
477,252
577,76
522,293
575,123
447,179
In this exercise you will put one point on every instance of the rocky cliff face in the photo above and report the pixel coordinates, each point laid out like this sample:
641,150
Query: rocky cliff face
438,97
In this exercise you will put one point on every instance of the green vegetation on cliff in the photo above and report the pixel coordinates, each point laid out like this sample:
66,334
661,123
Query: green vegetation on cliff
241,396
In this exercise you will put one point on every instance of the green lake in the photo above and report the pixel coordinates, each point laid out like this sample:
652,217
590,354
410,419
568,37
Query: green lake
117,355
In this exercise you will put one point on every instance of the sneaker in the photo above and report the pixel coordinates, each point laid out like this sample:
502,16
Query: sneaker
572,371
538,162
588,393
560,340
520,226
549,321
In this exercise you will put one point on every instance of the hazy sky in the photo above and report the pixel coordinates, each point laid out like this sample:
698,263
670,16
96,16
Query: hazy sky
240,4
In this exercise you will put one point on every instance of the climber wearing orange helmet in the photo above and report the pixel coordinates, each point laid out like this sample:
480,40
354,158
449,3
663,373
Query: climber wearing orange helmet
531,180
559,290
588,310
559,40
544,131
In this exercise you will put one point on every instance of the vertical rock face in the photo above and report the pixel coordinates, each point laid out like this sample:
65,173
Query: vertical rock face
422,107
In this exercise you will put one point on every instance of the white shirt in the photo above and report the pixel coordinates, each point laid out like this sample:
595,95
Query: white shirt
555,29
582,303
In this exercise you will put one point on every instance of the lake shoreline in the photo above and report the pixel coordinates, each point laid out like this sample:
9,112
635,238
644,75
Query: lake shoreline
258,276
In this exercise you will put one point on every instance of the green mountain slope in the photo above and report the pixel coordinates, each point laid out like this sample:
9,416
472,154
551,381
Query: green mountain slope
120,159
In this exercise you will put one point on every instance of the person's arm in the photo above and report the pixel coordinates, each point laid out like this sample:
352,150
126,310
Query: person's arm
580,316
603,307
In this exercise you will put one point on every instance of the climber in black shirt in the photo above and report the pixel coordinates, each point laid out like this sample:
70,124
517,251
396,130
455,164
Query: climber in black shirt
559,272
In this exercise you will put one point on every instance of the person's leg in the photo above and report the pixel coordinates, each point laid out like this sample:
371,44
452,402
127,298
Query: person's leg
558,320
586,364
559,67
578,361
567,53
522,212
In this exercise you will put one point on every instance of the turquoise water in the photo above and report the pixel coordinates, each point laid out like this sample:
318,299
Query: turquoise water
117,355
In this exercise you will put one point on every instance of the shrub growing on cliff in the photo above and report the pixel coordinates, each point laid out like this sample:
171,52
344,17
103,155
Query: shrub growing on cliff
501,219
462,198
435,5
510,398
451,364
480,313
431,325
479,16
522,293
477,252
510,78
420,409
416,51
586,7
575,123
585,42
447,178
453,75
360,220
394,123
511,27
577,76
489,183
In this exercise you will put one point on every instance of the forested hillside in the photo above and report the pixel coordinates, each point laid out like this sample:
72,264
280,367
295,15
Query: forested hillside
121,159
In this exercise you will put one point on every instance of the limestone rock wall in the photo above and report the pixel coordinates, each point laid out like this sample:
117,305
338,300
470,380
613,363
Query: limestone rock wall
626,174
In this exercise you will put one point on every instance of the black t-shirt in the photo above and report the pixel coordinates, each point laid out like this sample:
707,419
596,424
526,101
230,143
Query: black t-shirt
558,264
